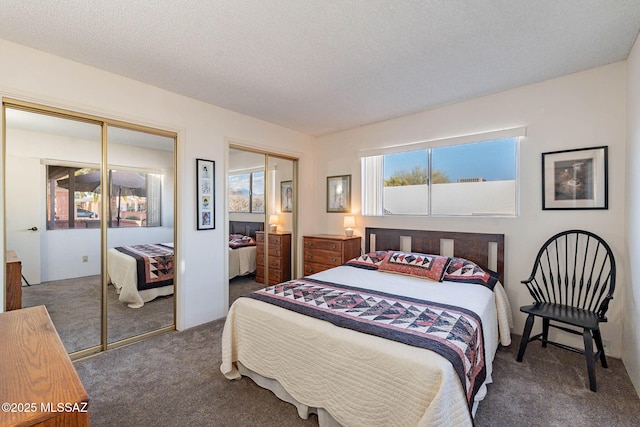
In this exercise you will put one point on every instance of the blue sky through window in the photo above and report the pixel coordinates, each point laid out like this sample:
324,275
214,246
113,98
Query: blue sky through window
491,160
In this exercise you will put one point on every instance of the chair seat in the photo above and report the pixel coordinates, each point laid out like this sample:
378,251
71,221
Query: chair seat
565,314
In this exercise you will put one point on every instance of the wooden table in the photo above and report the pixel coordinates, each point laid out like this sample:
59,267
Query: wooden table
39,385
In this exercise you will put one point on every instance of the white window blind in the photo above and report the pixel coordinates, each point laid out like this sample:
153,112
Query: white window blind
372,185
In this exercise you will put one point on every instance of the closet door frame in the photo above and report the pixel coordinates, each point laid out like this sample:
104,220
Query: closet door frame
105,123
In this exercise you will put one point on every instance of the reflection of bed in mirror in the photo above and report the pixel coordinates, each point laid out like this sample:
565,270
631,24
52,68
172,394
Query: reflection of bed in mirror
141,273
346,340
242,249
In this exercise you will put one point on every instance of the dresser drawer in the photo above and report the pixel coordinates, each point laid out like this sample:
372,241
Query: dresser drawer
273,251
327,245
312,268
274,261
333,258
274,239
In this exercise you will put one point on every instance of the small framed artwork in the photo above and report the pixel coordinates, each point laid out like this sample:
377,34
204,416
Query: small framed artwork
575,179
339,193
286,196
205,193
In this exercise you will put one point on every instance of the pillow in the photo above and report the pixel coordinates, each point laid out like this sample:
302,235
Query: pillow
465,271
235,236
425,266
369,261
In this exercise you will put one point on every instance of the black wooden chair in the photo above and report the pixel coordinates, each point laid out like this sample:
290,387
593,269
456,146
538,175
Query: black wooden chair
572,282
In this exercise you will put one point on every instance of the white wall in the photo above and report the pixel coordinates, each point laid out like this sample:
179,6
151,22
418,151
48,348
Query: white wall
203,132
469,198
579,110
631,318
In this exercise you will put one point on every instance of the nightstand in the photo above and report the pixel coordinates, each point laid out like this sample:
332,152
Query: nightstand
325,251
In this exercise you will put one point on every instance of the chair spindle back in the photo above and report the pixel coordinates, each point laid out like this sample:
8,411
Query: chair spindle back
574,268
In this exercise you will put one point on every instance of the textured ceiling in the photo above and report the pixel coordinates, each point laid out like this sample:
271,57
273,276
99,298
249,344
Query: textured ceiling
329,65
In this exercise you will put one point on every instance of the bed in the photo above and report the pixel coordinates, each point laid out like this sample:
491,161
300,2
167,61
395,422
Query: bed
141,273
353,378
242,257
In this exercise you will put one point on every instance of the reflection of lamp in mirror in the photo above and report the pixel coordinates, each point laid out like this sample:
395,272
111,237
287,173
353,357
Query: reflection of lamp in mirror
349,223
273,223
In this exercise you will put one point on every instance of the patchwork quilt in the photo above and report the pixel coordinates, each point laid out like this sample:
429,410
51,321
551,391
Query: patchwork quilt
154,264
453,332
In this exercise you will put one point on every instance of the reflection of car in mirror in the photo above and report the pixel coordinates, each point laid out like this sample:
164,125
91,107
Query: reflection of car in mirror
83,213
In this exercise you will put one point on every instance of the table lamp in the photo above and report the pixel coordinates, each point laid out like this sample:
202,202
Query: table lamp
349,223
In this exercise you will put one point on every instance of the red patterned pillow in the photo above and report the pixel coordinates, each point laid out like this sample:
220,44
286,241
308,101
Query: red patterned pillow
425,266
465,271
370,261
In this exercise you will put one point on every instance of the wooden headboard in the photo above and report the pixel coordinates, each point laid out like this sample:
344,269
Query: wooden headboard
247,228
486,250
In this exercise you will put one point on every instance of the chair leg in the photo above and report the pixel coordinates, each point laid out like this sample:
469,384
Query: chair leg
588,351
525,336
545,332
598,339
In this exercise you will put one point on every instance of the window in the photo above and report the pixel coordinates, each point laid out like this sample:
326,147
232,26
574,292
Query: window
406,182
246,192
472,178
74,198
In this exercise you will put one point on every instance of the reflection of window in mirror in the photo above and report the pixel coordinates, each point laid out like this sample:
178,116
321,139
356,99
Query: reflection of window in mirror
135,198
246,192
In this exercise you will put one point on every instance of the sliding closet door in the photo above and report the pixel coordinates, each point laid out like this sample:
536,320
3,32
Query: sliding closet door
246,204
262,192
53,201
140,291
281,208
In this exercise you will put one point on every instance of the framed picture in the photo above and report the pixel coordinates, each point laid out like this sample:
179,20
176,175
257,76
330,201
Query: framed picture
575,179
339,193
205,193
286,196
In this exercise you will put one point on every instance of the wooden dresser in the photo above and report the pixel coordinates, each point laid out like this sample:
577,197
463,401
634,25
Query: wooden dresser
13,280
279,257
40,386
325,251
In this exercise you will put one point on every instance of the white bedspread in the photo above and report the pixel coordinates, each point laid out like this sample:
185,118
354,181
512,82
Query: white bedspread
360,379
242,261
123,276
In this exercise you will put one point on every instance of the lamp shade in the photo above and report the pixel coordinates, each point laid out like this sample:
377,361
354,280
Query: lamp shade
349,221
273,223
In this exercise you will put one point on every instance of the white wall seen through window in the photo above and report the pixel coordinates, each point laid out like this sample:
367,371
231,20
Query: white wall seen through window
476,178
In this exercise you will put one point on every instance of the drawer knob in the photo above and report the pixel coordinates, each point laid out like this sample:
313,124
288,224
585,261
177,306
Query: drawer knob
334,259
333,246
274,263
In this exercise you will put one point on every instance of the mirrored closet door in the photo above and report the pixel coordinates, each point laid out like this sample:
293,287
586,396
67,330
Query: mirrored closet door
52,219
72,196
262,207
140,233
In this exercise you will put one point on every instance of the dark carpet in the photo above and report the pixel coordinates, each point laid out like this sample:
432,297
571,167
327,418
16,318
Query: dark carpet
74,307
173,379
242,285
